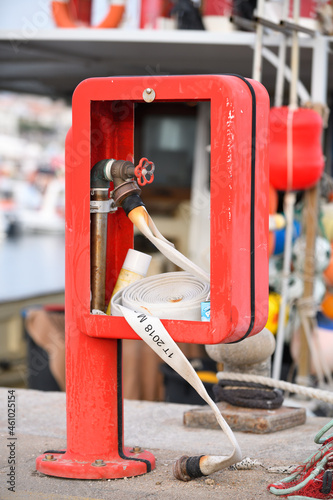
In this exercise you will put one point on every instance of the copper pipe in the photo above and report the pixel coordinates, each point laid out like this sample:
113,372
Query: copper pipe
98,235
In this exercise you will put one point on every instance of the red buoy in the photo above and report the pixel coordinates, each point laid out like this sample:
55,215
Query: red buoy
296,159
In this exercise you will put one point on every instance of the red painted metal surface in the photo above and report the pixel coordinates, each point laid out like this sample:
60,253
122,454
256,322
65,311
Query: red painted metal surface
103,110
94,402
65,465
103,127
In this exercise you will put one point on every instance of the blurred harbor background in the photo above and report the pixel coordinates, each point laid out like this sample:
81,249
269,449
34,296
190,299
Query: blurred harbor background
32,226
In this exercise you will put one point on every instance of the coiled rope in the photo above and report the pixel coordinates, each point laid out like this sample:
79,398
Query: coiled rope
279,384
248,394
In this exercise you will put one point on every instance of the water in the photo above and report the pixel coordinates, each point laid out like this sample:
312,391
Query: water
31,265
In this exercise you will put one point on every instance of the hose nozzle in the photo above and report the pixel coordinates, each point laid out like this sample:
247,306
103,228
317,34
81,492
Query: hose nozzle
187,468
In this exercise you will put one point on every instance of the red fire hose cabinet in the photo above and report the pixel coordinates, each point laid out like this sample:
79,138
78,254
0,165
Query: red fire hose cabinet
103,127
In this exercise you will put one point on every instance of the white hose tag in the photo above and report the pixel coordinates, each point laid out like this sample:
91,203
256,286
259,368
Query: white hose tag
151,330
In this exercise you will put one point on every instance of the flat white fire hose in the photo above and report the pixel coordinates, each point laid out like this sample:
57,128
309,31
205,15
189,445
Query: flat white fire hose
177,296
145,224
151,330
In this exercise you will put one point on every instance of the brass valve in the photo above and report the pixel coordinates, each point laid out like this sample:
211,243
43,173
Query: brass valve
124,175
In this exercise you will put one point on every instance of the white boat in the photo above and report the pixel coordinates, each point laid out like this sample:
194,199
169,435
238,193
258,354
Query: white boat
49,216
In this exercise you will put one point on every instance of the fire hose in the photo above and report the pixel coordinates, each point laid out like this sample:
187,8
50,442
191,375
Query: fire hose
142,220
151,330
178,296
172,295
175,295
168,296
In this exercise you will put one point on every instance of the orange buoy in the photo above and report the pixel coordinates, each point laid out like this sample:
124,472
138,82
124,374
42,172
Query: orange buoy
327,305
63,18
296,160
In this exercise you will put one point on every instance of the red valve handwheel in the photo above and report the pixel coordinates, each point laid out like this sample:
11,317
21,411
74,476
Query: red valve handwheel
141,171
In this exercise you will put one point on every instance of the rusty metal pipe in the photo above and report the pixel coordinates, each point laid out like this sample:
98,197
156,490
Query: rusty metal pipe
98,241
99,186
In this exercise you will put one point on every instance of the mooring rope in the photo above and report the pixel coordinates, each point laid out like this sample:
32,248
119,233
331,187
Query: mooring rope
279,384
248,394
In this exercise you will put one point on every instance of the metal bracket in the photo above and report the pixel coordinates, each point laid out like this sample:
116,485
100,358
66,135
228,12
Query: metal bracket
102,206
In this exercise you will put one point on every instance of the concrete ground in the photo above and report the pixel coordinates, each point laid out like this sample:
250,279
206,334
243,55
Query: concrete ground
157,427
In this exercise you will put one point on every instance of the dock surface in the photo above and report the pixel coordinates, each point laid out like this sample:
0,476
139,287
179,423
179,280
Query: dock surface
158,428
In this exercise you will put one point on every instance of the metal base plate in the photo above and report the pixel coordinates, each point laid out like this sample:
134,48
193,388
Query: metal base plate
64,465
246,419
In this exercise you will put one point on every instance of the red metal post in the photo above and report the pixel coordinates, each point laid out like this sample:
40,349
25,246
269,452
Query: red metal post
103,125
93,366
